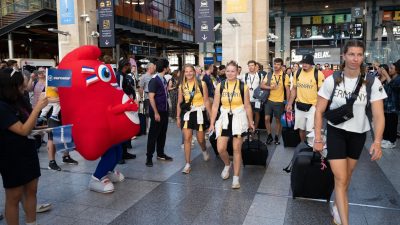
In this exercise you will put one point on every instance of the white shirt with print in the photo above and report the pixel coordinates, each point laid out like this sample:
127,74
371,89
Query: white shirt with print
253,81
359,123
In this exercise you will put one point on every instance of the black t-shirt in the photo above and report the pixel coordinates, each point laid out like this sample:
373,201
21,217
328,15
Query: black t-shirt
159,87
9,140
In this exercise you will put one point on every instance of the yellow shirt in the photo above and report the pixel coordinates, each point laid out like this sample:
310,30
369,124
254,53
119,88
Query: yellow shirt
307,91
228,90
198,99
277,95
51,92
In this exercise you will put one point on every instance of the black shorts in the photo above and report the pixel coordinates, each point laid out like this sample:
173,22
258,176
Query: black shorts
228,132
274,108
343,144
253,107
52,123
192,123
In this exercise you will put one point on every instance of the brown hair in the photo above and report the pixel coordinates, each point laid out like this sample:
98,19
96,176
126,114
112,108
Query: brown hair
349,44
233,63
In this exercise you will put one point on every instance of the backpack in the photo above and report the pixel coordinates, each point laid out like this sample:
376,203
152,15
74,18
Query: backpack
222,87
370,79
315,75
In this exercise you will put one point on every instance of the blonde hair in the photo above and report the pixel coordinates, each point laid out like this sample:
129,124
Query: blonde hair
183,80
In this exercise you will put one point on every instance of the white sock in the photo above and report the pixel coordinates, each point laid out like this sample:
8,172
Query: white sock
235,179
187,165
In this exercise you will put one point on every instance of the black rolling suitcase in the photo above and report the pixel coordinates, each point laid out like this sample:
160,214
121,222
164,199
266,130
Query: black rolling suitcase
310,178
290,136
142,119
254,151
213,143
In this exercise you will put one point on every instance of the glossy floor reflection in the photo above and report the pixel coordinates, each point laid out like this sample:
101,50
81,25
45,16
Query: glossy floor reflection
163,195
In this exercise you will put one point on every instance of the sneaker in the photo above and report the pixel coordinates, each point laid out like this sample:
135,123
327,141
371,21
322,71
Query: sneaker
127,155
277,140
68,160
41,121
115,176
186,169
206,155
391,145
384,143
335,214
149,162
182,146
269,139
43,207
164,157
55,118
235,182
225,172
102,186
53,166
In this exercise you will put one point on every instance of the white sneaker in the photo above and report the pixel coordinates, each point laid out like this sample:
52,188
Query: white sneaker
102,186
235,182
335,214
391,145
115,176
186,169
225,172
206,155
384,143
182,146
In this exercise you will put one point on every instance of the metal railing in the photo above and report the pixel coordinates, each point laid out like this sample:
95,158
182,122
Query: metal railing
26,6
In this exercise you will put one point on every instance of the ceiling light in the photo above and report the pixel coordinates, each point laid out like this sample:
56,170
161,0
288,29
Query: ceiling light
327,6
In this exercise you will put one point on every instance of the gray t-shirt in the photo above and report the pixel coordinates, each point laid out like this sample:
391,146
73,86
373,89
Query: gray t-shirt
144,83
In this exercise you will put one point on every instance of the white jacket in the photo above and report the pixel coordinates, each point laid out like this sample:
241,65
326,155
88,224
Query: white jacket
239,121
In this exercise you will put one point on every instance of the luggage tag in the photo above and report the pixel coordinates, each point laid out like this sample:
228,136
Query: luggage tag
257,105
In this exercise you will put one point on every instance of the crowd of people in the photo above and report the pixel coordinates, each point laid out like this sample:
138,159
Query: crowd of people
208,100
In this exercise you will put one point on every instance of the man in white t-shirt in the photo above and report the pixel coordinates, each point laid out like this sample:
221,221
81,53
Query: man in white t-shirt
253,79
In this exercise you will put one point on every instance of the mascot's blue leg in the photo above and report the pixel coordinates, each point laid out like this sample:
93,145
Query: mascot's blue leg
108,161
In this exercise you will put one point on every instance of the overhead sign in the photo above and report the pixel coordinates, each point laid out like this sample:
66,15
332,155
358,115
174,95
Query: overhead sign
106,23
204,16
208,60
327,55
67,12
357,12
236,6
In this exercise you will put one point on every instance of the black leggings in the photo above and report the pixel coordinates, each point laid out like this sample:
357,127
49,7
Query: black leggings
390,133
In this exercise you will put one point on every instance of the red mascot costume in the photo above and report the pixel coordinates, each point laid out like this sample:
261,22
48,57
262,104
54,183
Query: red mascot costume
101,114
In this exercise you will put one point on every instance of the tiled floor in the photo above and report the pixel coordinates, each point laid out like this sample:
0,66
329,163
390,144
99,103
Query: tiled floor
163,195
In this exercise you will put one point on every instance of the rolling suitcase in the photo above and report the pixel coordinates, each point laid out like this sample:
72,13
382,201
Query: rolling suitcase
290,136
142,119
310,176
254,151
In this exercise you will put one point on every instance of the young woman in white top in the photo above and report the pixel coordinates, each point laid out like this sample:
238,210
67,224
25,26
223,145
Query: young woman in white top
345,141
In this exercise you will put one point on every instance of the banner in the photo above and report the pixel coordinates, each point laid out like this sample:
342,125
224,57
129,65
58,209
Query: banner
339,18
204,16
62,138
328,19
58,78
387,16
106,23
306,20
67,12
236,6
317,19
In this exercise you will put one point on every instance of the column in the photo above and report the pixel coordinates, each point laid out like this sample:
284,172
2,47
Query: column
10,46
260,31
286,31
278,32
84,22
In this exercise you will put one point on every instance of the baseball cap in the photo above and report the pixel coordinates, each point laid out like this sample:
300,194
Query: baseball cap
308,59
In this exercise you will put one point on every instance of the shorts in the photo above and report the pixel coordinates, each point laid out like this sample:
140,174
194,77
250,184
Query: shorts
192,123
343,144
274,108
19,165
52,123
253,107
146,105
228,132
304,120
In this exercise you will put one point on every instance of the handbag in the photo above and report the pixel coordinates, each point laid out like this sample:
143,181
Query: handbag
260,94
344,112
303,106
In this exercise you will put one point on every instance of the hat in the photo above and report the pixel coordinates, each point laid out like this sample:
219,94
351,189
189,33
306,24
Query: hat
308,59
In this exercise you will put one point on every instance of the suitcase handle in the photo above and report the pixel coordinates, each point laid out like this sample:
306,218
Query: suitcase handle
248,137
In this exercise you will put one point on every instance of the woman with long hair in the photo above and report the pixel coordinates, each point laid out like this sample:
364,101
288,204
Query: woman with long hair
235,118
346,137
17,119
193,93
173,84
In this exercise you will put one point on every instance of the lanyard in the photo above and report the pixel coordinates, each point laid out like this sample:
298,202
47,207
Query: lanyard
251,82
355,86
191,93
277,81
230,96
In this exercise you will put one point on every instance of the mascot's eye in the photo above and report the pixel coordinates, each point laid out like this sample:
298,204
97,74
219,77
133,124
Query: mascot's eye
104,73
